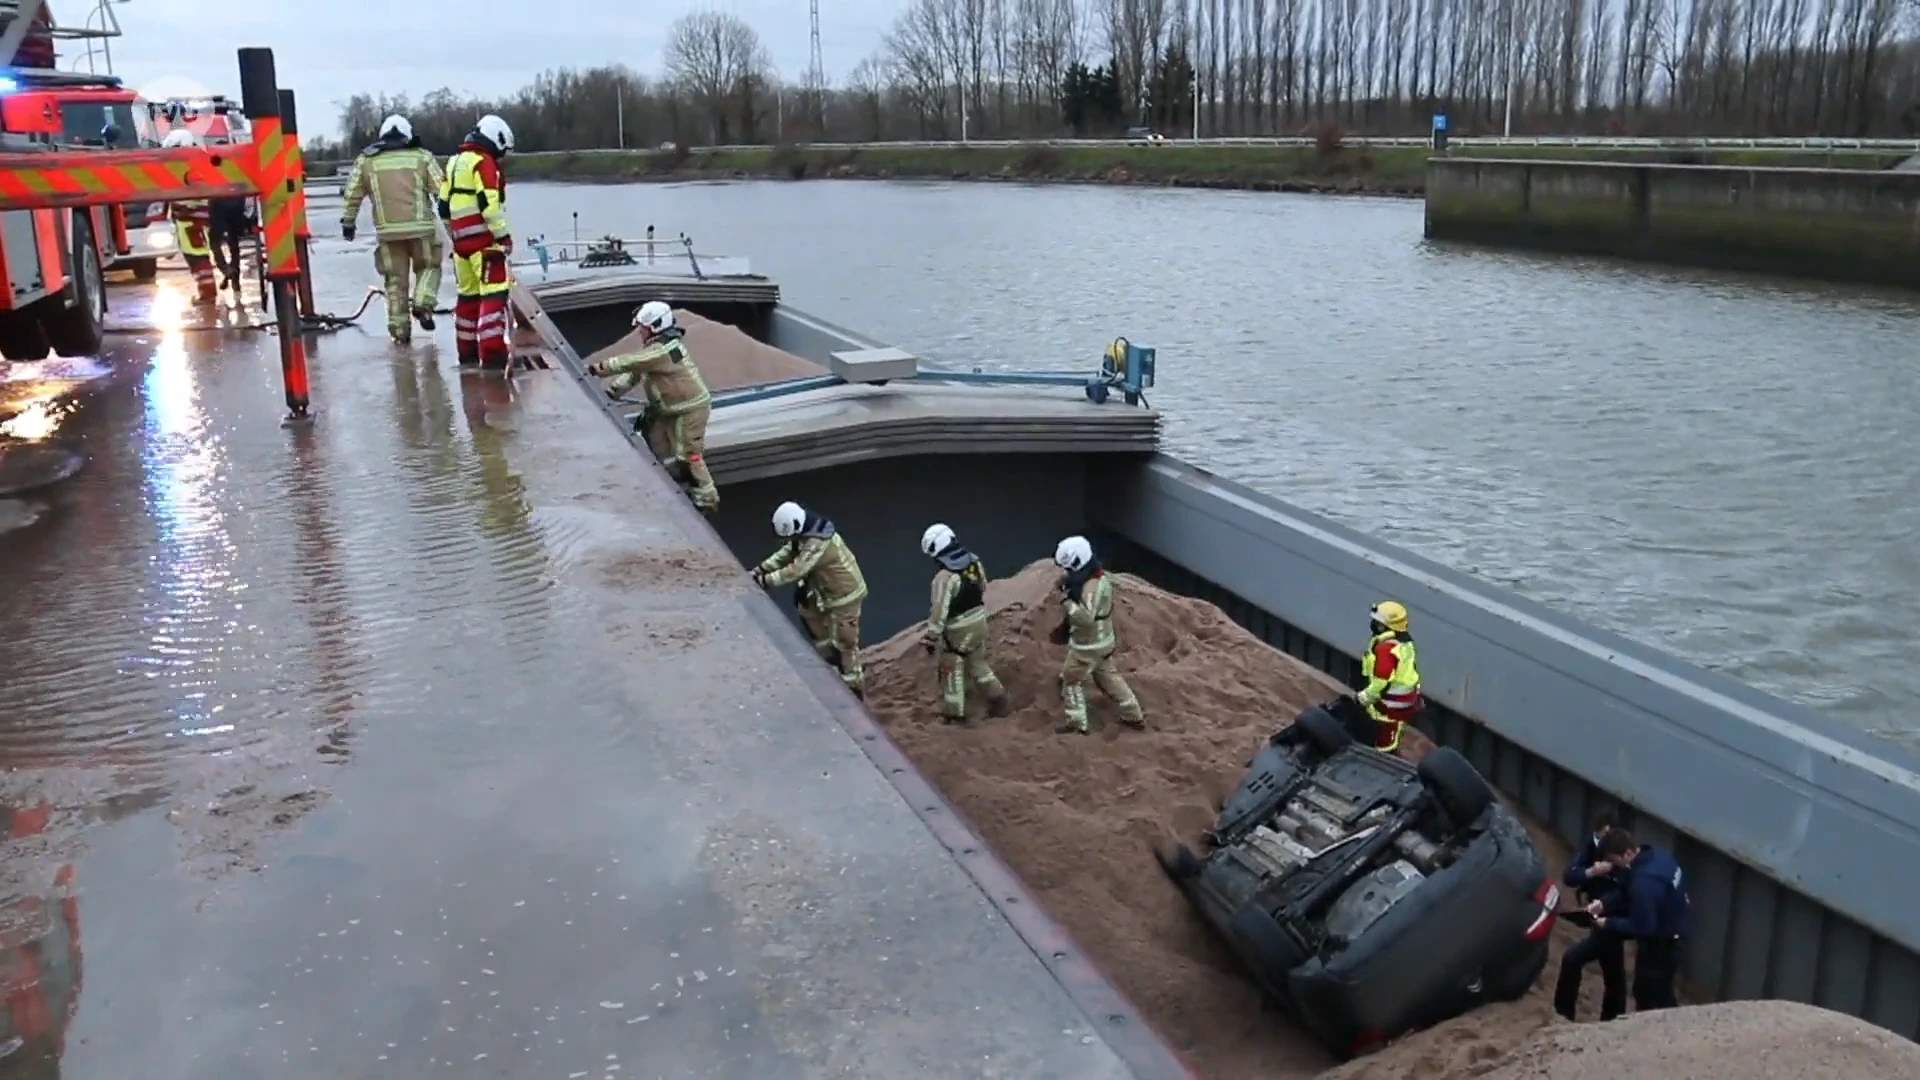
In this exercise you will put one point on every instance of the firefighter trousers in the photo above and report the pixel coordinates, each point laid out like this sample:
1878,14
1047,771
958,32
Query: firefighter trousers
197,250
417,261
1094,665
680,442
480,315
964,658
836,637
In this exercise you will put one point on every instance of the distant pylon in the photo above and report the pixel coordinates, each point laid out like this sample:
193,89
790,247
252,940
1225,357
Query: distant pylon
816,72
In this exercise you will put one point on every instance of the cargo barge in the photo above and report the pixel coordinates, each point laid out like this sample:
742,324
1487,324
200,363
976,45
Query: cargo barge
1802,835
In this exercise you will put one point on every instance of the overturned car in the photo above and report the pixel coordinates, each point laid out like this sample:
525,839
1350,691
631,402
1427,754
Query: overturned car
1370,897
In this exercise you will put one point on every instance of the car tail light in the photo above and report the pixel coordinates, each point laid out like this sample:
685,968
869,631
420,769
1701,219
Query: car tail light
1366,1041
1548,897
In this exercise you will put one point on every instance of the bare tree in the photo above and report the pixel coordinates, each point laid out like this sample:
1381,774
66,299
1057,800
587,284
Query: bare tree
718,61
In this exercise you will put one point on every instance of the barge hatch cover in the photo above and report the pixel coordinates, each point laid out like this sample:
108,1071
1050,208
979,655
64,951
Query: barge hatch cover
439,738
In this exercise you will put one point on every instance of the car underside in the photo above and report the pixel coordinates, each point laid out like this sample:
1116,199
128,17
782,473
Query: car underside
1368,896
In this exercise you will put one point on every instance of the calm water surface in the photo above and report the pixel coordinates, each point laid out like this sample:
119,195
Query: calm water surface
1718,465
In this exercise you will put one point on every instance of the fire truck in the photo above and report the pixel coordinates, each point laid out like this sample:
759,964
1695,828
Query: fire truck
53,261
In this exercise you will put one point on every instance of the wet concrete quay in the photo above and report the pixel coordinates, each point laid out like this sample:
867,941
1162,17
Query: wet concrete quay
430,740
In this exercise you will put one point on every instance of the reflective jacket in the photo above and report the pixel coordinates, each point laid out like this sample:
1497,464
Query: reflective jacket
1392,670
672,381
404,182
1089,608
474,198
191,221
821,559
959,599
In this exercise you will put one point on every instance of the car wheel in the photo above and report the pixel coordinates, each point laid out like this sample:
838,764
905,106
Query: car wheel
21,337
1179,861
79,329
1270,951
1324,730
1461,791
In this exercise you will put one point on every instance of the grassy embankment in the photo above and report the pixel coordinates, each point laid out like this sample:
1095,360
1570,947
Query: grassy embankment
1391,170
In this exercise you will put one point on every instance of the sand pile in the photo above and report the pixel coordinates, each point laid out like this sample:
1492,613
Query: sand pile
1074,815
728,358
1735,1040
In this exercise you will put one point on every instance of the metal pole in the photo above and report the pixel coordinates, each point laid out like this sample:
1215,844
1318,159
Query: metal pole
1196,103
1511,50
620,111
281,204
290,123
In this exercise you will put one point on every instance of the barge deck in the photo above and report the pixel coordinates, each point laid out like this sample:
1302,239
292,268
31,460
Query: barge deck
439,737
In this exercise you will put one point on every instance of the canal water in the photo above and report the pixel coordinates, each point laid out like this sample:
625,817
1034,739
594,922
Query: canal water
1718,465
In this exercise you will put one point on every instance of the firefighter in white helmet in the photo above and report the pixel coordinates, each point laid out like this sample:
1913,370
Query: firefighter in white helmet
957,626
816,558
1087,630
404,181
192,228
473,202
678,404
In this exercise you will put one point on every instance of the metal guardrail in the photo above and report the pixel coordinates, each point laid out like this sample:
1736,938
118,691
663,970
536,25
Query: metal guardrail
1570,141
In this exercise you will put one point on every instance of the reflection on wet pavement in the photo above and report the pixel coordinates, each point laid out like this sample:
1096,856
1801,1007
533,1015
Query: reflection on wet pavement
409,788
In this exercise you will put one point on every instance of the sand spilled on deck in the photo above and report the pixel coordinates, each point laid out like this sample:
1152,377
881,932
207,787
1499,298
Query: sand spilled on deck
1074,817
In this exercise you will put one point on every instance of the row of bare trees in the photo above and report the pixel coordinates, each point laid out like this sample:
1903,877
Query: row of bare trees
1000,69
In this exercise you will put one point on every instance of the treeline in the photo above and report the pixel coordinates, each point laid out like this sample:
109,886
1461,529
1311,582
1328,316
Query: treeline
1042,68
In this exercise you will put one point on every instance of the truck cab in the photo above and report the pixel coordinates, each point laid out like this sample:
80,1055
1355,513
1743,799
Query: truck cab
53,262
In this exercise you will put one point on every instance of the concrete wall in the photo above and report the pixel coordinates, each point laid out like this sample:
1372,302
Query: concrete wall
1803,837
882,507
1845,224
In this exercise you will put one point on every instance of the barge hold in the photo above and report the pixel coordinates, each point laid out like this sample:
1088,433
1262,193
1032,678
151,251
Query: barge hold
1782,817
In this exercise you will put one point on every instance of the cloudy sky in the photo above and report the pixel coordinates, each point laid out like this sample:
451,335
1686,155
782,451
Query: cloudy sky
327,51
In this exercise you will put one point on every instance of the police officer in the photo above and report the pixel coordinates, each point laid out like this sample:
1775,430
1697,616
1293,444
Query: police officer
1653,909
957,626
816,557
1391,695
1087,599
1592,877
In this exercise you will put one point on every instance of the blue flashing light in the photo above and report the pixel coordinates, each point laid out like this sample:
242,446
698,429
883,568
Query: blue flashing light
8,85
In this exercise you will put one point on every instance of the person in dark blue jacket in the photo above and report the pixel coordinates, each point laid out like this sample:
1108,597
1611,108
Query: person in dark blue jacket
1593,878
1653,909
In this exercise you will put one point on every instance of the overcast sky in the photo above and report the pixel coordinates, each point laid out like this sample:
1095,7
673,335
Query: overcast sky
328,51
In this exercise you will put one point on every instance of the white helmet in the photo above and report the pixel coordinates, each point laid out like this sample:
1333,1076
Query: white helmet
655,316
1073,553
178,138
495,130
936,539
396,128
789,519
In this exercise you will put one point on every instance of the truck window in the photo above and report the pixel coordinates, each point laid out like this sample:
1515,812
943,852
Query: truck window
85,120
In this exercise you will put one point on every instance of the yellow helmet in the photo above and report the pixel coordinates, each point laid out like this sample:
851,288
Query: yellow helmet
1391,614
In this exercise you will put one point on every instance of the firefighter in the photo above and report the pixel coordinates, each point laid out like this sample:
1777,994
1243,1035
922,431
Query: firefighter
1087,630
192,221
1391,669
957,626
404,182
816,557
677,400
473,204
